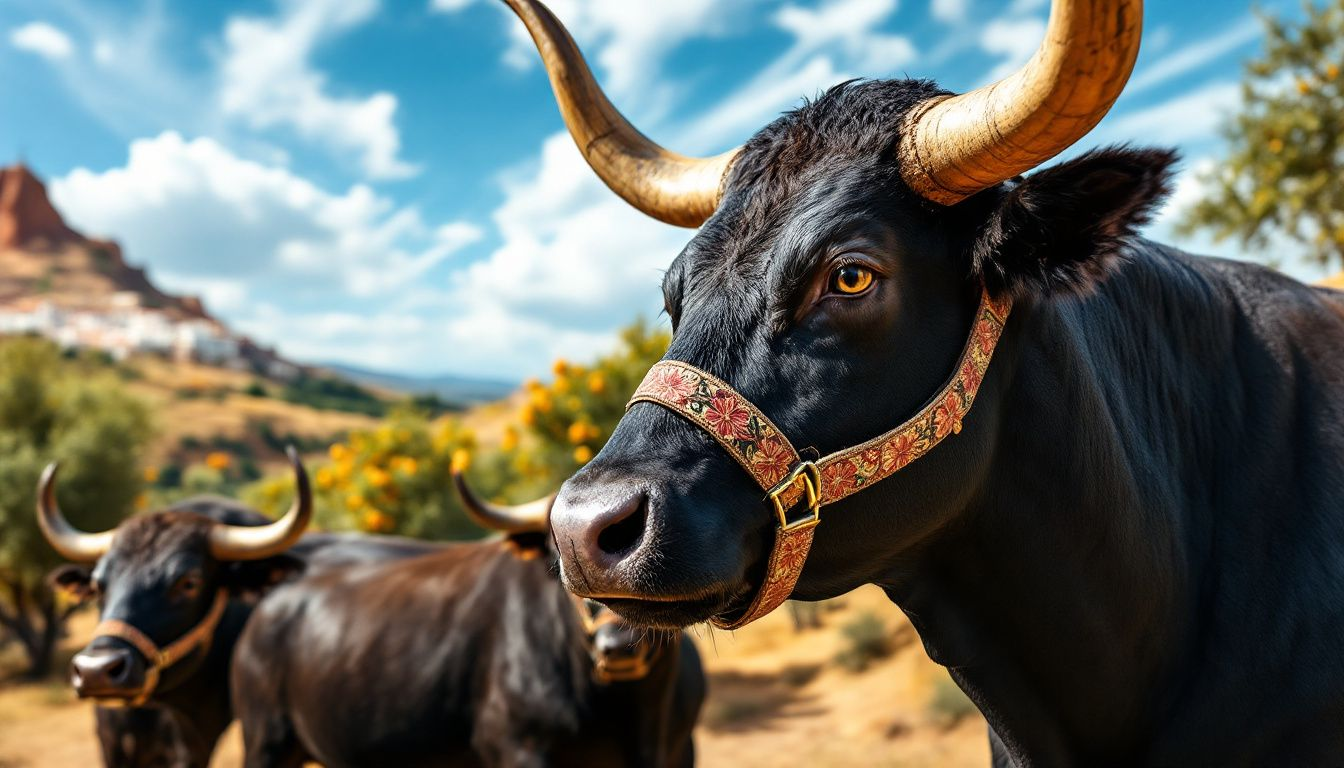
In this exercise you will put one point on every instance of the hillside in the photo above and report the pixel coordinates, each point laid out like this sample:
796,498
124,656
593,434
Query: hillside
81,291
215,395
41,256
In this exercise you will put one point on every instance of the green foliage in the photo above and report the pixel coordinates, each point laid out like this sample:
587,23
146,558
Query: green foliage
948,704
330,393
255,388
54,408
1286,149
51,410
866,640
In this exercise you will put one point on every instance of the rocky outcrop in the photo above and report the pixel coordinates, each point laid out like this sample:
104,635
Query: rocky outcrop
27,217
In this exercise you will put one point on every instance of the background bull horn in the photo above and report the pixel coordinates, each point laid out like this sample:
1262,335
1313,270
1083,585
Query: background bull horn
670,187
532,517
72,543
956,146
236,542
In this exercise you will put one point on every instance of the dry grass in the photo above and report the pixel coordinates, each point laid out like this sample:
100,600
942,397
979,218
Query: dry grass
230,414
776,698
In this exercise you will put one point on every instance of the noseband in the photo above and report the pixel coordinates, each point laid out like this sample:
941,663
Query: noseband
198,636
797,489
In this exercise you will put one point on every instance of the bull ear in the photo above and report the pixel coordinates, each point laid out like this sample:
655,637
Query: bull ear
1062,230
75,582
254,578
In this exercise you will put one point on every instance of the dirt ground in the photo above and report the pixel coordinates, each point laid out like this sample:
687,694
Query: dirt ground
777,697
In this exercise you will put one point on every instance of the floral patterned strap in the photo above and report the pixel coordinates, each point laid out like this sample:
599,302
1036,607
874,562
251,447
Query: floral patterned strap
853,469
767,455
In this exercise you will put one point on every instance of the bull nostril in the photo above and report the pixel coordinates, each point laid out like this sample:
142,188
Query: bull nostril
625,528
116,670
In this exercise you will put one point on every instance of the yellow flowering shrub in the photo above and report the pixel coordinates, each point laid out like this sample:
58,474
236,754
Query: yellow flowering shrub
564,422
392,478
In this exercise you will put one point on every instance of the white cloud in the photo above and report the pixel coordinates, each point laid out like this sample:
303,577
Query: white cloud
449,6
130,83
43,39
1013,39
1188,117
949,11
1190,188
835,41
575,263
1189,57
192,210
267,80
352,277
751,107
850,27
624,41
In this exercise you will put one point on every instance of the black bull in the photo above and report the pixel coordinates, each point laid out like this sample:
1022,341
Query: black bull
190,708
469,656
1134,551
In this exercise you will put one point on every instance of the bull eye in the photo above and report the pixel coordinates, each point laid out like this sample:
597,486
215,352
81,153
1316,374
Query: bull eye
189,586
851,279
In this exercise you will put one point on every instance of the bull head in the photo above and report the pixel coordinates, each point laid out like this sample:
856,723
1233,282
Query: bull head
227,542
842,254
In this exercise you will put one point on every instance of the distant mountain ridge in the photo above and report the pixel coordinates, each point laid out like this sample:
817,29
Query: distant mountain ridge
465,390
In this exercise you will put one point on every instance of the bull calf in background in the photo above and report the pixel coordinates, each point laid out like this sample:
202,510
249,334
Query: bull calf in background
474,655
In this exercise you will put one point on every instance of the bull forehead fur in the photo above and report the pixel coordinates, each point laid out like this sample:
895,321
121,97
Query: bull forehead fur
798,180
151,539
857,122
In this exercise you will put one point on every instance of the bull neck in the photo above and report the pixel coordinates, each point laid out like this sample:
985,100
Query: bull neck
1059,599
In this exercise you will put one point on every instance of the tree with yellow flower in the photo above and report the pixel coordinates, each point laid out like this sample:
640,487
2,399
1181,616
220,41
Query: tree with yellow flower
393,478
1284,173
568,420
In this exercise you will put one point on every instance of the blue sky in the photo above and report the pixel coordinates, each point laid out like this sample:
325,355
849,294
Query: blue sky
389,184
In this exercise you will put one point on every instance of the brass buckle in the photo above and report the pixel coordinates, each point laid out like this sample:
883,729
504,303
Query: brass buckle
810,476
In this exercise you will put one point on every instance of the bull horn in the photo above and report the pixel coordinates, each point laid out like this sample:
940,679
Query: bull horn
532,517
669,187
237,542
955,146
72,544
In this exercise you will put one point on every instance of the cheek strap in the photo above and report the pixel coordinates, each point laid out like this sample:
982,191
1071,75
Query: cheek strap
158,659
796,489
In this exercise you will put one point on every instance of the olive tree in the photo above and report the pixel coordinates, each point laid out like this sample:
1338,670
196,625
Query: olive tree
1285,161
52,408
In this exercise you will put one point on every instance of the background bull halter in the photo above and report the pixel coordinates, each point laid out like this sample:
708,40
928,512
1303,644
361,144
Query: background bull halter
797,489
198,636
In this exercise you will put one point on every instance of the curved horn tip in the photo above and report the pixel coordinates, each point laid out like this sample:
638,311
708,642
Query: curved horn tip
673,188
71,543
955,146
532,517
229,542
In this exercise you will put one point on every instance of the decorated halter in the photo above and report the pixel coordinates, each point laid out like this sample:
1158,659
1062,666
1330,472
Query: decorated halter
198,637
797,489
608,669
